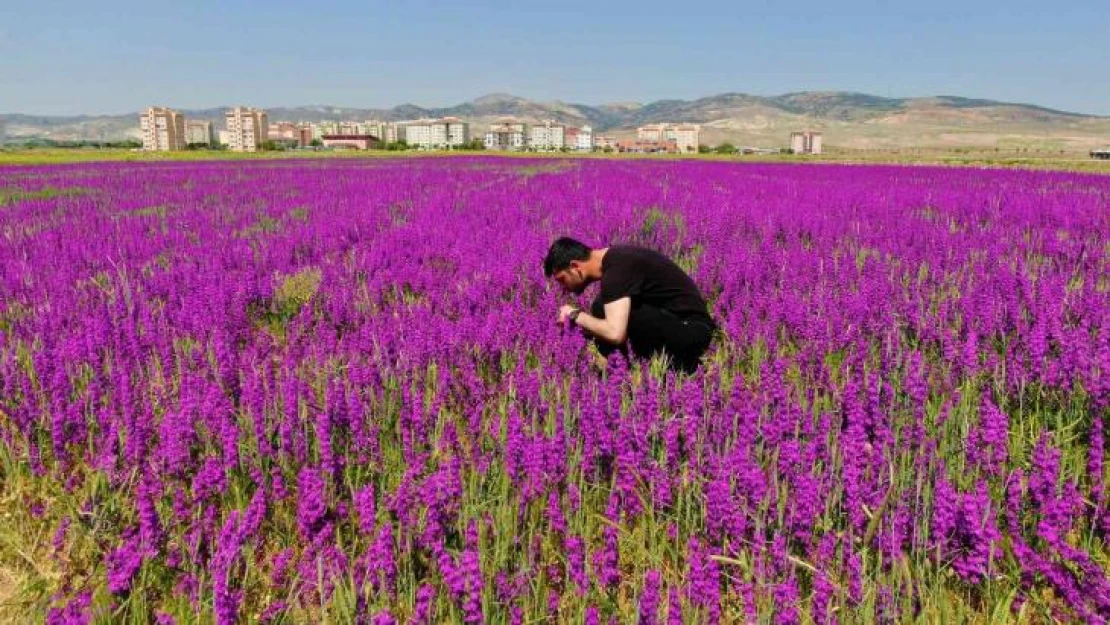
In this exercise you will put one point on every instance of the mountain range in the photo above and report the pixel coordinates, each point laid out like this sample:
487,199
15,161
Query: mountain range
848,120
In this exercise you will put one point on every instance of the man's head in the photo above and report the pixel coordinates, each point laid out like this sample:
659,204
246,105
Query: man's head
565,261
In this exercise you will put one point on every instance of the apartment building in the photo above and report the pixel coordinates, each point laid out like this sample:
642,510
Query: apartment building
386,132
289,134
248,128
199,133
584,142
416,133
507,134
603,142
324,127
284,130
304,135
435,134
547,136
805,142
390,133
650,132
163,129
350,128
450,132
570,137
685,136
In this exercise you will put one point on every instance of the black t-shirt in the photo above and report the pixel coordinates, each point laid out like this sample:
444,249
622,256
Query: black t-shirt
648,277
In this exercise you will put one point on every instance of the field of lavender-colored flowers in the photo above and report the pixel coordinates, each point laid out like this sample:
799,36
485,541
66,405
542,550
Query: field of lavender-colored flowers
334,391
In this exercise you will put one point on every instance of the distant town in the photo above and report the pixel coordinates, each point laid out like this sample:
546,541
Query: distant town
248,129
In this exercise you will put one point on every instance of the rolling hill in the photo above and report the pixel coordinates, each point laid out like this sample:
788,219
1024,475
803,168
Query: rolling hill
848,120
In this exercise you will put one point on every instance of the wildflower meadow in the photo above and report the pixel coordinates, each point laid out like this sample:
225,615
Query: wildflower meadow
334,391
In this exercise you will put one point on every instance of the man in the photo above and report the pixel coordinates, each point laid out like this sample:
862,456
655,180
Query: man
644,299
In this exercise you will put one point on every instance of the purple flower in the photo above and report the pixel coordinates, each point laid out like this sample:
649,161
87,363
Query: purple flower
649,598
425,603
75,612
312,506
123,563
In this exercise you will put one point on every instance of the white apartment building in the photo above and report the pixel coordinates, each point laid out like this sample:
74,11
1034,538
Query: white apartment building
507,134
199,133
416,133
585,141
548,136
248,128
436,134
163,129
450,132
805,142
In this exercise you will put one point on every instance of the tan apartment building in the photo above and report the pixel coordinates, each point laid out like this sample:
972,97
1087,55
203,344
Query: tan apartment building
248,128
685,136
163,129
284,130
650,132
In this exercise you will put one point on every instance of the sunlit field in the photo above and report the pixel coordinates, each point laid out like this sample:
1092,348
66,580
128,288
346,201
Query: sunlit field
333,390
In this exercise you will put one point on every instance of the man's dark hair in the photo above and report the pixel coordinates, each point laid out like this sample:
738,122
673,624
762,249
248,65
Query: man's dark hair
561,252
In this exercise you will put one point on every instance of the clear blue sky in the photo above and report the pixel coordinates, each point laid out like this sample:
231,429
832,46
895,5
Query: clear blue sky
104,56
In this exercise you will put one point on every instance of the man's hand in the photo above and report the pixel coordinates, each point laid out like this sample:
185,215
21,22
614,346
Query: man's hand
612,329
564,313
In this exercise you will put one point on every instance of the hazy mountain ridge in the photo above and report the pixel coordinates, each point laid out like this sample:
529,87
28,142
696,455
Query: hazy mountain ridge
848,119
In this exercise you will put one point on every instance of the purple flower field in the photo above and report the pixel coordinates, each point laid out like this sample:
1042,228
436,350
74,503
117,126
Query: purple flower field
334,391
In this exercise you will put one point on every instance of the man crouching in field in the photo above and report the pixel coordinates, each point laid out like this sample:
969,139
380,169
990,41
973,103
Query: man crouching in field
644,298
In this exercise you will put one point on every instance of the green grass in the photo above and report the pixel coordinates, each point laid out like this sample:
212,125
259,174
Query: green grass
12,195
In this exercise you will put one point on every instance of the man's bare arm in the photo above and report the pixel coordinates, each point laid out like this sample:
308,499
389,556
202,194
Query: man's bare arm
614,327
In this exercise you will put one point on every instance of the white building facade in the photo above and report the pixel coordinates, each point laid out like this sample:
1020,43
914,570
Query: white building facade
805,142
547,136
585,142
507,134
436,134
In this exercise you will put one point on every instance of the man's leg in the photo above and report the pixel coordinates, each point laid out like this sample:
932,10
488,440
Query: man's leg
652,330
